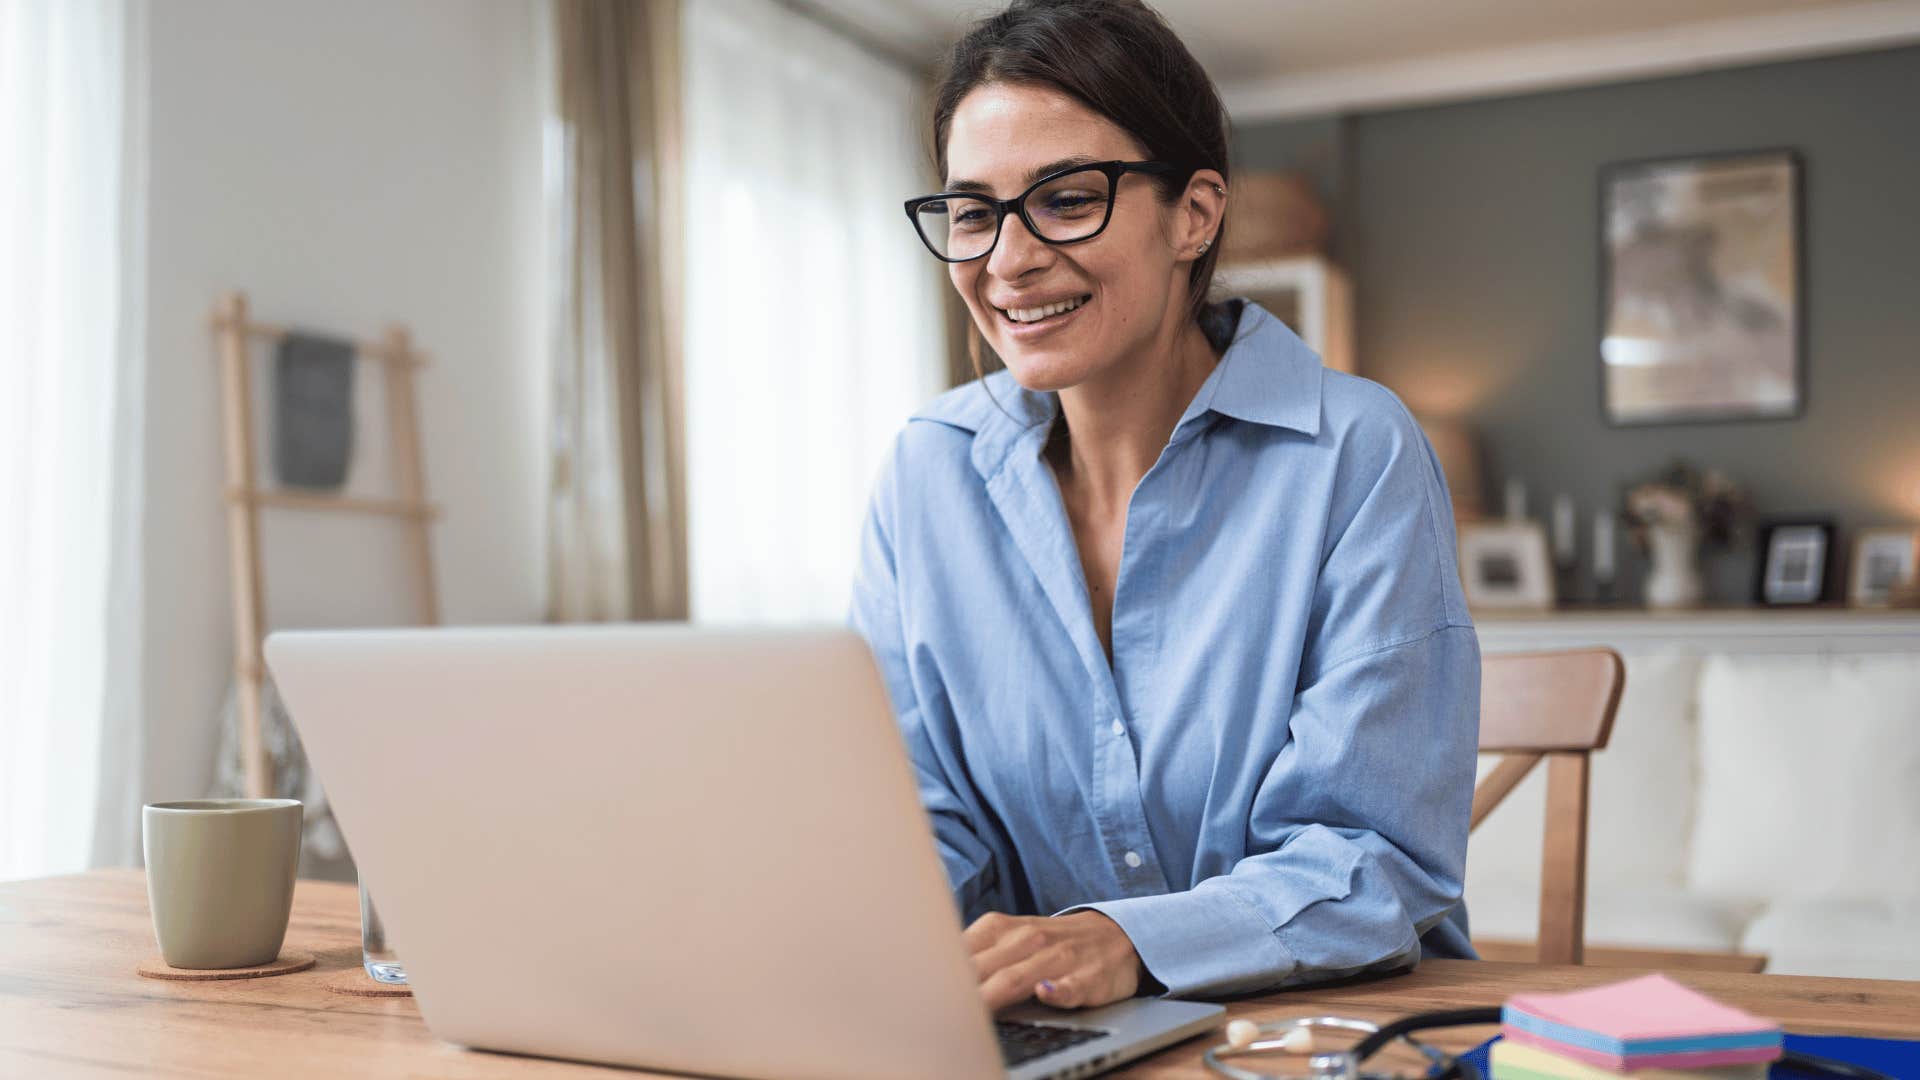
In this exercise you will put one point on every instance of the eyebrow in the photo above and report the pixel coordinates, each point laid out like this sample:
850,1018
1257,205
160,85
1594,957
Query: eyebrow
1033,174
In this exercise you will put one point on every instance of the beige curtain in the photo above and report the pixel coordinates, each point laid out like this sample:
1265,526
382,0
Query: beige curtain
617,544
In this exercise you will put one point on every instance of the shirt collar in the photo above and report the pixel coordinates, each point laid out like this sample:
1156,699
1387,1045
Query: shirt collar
1266,376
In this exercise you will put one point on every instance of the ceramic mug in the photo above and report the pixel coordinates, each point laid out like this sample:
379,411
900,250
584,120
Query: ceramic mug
220,878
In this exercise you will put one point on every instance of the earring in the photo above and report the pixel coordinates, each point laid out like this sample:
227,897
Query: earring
1219,190
1204,245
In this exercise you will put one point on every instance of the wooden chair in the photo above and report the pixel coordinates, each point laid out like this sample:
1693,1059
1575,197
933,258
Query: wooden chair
1559,706
1556,706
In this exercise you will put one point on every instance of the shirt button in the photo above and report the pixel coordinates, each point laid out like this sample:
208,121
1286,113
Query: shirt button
1118,727
1133,860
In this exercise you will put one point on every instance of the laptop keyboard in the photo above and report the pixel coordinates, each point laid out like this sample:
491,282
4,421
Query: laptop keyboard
1021,1043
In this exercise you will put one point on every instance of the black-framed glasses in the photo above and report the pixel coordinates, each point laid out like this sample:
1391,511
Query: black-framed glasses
1063,207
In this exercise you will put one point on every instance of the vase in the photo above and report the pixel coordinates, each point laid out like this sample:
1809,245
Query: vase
1674,581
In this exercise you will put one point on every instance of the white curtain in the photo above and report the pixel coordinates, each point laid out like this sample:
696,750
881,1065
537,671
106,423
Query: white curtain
814,320
71,124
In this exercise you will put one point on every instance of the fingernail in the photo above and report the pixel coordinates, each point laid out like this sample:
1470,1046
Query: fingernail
1046,985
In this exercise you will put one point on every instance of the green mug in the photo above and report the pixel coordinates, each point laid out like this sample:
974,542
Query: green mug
220,878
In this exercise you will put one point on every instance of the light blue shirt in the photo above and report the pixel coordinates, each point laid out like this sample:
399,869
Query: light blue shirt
1271,782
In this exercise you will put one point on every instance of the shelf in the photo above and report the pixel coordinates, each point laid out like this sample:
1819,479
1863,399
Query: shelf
295,500
1725,629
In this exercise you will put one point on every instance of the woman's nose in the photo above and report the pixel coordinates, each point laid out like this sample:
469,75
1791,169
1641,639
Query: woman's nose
1017,251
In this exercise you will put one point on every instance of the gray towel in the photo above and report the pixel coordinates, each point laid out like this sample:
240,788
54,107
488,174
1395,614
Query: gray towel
312,410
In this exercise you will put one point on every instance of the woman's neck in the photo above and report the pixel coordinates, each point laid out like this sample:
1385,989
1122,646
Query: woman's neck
1116,426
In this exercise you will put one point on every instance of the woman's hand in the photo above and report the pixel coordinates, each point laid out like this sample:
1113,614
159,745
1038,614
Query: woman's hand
1069,961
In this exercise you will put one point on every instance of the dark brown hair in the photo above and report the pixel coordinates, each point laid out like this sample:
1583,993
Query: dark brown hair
1120,59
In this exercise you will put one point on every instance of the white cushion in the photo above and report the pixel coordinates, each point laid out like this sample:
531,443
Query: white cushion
1640,814
1860,939
1809,777
1641,802
1505,850
1630,918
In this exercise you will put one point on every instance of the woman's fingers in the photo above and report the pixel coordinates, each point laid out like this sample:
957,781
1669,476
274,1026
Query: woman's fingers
1014,983
1072,961
1011,947
1065,992
1086,988
988,929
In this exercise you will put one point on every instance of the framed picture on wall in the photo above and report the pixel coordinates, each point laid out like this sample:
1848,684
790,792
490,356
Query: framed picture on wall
1883,560
1504,564
1701,288
1796,562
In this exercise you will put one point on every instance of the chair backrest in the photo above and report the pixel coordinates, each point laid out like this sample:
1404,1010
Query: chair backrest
1558,706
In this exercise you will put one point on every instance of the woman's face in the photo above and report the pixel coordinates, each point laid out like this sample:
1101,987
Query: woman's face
1130,280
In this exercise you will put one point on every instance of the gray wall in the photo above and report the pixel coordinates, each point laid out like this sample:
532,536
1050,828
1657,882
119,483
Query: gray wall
1471,233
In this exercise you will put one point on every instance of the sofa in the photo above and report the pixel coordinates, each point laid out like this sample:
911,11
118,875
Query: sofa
1753,802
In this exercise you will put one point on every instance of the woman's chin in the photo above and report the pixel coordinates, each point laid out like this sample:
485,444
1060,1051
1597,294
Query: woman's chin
1043,371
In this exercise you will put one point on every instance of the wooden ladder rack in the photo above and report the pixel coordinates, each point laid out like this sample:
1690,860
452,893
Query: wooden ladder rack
245,498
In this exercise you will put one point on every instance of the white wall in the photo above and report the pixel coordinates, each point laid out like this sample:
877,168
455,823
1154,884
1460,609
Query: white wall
347,163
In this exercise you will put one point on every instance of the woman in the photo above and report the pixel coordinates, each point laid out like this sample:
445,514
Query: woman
1168,613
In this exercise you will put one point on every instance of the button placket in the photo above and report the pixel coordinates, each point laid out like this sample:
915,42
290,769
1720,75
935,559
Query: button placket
1130,844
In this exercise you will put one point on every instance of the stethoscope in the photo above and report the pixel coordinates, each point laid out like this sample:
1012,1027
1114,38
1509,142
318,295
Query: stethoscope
1295,1036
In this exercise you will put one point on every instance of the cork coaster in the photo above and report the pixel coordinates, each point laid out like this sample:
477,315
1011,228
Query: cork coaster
154,967
356,981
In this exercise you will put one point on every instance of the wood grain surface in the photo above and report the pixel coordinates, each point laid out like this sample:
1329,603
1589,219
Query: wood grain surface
71,1004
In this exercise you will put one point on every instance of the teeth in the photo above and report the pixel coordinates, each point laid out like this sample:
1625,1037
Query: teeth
1026,315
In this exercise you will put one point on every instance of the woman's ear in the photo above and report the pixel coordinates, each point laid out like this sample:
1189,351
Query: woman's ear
1203,207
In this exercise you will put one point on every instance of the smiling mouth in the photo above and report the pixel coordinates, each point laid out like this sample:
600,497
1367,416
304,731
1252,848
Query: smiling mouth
1028,316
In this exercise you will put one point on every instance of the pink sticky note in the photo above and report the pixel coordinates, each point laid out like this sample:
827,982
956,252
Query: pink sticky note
1650,1007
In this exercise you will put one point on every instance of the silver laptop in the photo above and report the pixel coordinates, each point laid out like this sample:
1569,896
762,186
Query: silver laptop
682,849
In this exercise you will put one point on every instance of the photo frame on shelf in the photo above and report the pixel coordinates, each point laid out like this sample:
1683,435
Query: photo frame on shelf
1884,560
1702,288
1504,565
1796,561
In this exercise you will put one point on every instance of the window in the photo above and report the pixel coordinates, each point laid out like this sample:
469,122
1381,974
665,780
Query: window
69,433
813,316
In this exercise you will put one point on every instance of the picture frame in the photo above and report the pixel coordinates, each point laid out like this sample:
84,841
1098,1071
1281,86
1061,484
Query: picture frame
1883,561
1702,288
1504,565
1796,562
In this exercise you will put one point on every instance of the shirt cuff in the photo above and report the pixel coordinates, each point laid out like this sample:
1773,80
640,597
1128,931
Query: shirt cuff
1203,942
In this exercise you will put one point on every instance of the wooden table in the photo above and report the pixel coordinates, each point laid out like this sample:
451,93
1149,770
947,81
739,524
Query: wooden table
71,1005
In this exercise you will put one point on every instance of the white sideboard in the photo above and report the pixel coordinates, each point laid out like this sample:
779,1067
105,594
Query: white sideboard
1710,630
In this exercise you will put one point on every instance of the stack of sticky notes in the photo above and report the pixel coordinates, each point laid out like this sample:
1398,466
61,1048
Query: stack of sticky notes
1650,1028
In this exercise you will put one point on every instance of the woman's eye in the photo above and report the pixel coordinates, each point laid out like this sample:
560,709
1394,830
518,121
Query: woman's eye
970,219
1071,202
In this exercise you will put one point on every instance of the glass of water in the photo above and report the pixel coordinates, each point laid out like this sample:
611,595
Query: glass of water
376,952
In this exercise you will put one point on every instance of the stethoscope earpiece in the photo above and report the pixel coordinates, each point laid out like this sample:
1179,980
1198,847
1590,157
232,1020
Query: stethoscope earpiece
1294,1036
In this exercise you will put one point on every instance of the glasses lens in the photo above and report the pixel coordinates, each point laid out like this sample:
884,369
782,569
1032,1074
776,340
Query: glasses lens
1071,207
957,228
